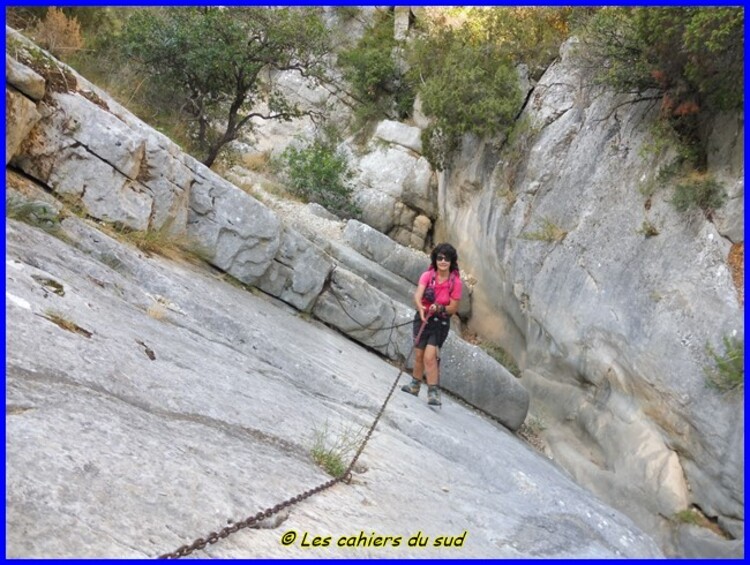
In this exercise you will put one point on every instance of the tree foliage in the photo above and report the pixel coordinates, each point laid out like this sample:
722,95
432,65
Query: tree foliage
692,57
465,83
530,35
319,173
215,60
474,90
377,80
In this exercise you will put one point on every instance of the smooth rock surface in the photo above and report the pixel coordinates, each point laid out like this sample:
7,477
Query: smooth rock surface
182,403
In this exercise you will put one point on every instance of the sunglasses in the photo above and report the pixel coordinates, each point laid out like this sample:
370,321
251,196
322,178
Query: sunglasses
443,258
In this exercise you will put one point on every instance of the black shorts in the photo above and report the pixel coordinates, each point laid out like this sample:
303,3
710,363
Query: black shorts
434,333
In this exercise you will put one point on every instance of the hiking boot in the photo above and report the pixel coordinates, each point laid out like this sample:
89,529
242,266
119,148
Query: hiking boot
412,387
433,395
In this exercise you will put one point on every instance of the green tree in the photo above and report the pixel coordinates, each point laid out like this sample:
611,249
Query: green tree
467,86
464,67
530,34
376,77
213,59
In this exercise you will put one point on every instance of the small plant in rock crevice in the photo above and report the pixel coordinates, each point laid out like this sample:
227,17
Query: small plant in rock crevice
502,357
548,231
648,229
699,192
696,517
157,311
727,372
62,321
333,451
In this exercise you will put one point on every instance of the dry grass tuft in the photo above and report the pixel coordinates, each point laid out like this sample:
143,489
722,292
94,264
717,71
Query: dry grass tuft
65,323
58,34
163,242
157,311
548,231
258,162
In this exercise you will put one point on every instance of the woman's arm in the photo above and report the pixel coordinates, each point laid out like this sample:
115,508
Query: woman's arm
452,308
418,300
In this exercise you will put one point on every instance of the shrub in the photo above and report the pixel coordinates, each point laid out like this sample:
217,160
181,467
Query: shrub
700,192
58,34
320,173
728,370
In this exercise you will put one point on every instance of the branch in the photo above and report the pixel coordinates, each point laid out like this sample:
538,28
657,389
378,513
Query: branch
634,101
277,116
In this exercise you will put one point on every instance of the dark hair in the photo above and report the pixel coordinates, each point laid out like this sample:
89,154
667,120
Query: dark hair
449,251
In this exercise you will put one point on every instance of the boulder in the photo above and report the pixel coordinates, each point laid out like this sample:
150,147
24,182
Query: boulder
391,284
27,81
21,116
238,234
397,133
396,191
376,246
298,271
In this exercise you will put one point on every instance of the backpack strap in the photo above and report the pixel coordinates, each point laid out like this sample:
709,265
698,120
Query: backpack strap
451,280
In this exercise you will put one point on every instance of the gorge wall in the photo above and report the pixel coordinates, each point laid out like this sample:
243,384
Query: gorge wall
610,325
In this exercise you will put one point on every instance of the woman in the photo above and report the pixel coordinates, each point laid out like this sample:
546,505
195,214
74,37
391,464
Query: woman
436,298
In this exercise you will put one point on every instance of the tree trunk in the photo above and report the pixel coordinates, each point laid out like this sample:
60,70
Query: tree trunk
212,154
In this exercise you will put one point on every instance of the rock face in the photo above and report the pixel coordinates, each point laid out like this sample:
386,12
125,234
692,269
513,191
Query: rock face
173,403
610,324
115,405
395,186
122,172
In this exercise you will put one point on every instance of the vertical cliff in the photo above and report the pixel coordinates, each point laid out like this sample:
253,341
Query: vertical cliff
607,296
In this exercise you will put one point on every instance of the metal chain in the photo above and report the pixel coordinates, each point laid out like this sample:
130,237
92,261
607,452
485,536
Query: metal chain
213,537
